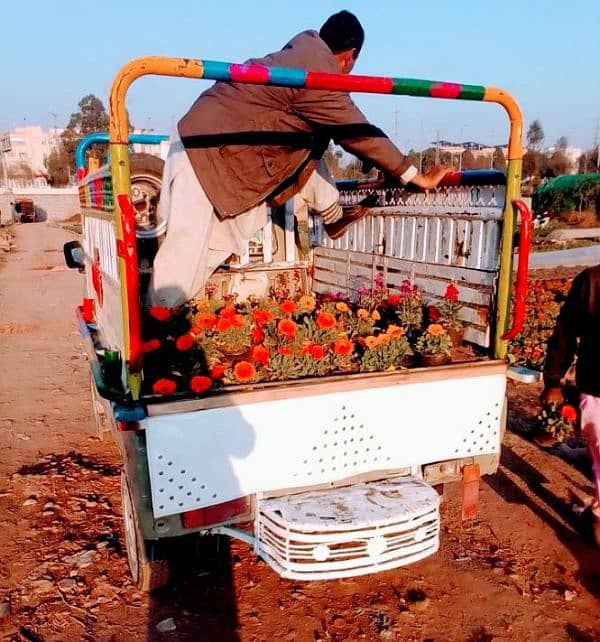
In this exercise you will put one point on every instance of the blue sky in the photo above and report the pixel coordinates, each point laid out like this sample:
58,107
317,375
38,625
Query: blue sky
545,52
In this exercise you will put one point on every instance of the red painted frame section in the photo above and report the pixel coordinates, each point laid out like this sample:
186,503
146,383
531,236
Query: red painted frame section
520,307
127,250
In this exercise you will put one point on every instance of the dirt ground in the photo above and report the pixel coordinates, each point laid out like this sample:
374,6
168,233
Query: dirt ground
520,571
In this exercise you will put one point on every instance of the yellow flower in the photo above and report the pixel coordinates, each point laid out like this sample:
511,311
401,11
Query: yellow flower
371,342
362,314
375,315
340,306
203,304
436,330
307,303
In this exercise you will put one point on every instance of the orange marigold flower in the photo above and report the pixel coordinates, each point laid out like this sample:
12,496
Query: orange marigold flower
217,371
384,339
371,342
200,383
287,328
262,316
375,315
257,334
244,371
261,355
436,330
362,314
307,303
340,306
227,311
325,320
224,323
343,347
151,345
164,387
394,331
288,306
160,313
568,413
206,320
285,351
184,343
316,351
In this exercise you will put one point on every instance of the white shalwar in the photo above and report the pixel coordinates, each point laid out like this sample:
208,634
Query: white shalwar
197,241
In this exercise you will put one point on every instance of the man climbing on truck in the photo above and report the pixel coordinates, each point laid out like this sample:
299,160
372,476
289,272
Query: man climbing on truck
241,147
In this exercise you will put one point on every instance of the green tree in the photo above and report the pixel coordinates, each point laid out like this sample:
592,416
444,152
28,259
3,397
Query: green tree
91,117
468,160
535,135
498,160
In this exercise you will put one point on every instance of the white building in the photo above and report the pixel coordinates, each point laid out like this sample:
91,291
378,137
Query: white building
29,147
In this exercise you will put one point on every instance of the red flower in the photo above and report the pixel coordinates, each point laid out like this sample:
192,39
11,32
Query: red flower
451,293
244,371
206,320
287,328
288,306
200,383
433,314
257,334
238,320
224,323
325,320
227,312
261,355
568,413
159,313
343,347
184,343
286,352
164,387
151,345
316,351
262,316
218,371
394,299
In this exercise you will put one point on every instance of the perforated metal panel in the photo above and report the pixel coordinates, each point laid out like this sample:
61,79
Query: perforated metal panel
210,456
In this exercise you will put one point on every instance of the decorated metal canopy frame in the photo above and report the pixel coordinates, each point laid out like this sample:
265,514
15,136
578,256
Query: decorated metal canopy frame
285,77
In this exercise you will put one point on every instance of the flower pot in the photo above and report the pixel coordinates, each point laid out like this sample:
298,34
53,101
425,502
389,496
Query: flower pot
456,335
232,350
428,360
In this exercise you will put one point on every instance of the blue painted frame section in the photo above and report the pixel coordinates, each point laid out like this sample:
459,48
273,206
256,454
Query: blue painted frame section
102,138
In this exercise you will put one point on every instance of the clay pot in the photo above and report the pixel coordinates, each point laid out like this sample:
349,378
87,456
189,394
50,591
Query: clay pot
429,360
456,335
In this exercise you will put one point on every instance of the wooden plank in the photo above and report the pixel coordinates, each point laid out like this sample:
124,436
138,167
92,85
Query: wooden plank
238,395
450,273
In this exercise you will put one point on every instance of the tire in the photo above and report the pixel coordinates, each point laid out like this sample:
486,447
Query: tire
146,180
147,574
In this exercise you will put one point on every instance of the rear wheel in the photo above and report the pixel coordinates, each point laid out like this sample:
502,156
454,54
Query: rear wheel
148,574
146,179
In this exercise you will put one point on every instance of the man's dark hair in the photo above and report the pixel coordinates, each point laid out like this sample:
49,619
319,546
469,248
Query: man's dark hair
342,31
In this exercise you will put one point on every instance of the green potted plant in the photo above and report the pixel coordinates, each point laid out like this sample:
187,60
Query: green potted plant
449,310
433,346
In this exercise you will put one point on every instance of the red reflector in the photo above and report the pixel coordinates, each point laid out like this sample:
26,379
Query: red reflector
87,310
124,426
216,514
